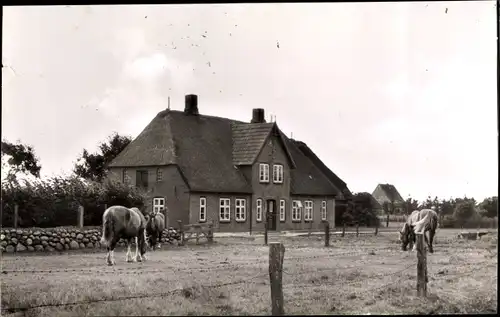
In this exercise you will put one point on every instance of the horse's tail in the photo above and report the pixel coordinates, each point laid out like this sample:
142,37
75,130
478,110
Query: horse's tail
107,231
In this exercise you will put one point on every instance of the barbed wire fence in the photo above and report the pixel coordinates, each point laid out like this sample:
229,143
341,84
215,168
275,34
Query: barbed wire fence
274,273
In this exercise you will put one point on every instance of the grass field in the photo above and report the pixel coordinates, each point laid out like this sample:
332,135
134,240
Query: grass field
356,275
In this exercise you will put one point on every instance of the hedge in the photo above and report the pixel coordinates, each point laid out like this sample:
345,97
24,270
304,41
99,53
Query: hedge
54,201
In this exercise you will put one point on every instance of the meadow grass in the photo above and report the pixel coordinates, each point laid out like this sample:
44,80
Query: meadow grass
356,275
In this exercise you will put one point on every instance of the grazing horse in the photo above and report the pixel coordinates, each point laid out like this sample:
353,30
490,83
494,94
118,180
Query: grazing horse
154,228
420,221
127,223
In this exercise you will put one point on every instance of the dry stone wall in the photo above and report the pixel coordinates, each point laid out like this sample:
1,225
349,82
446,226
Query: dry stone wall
61,239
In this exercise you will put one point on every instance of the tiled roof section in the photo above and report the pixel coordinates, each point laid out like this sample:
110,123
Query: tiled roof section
248,140
334,179
391,192
153,147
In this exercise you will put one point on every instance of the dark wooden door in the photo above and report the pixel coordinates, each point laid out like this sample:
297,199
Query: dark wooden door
271,215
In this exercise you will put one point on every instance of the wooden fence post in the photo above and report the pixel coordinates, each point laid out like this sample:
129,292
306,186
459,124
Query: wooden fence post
265,232
181,232
376,229
327,234
421,267
357,229
310,228
80,217
276,256
16,215
210,231
343,229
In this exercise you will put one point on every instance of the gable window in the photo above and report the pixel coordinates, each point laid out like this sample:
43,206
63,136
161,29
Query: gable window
278,173
159,175
323,210
296,212
125,177
141,179
308,210
282,210
158,204
264,173
240,213
258,210
203,209
224,210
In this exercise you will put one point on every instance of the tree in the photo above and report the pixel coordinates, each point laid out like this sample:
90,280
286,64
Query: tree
365,209
22,158
489,207
388,208
464,210
92,166
410,205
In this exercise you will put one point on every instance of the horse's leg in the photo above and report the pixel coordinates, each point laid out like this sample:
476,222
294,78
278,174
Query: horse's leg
111,252
137,256
431,238
129,252
143,245
159,239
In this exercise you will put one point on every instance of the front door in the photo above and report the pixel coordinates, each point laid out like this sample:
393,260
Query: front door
271,215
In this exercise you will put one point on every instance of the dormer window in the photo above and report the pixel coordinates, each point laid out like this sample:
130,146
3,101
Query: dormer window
264,173
159,175
277,173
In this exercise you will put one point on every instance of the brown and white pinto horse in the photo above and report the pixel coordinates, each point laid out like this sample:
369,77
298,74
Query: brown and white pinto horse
127,223
420,221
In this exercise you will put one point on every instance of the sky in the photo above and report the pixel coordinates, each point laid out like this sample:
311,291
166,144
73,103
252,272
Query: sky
400,93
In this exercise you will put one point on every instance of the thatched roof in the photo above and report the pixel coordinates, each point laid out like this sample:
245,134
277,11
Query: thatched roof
208,151
391,192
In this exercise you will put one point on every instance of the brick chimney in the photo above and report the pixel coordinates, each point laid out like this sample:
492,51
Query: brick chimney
258,116
191,105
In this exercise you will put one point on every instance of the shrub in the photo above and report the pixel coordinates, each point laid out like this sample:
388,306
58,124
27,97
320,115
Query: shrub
476,221
54,201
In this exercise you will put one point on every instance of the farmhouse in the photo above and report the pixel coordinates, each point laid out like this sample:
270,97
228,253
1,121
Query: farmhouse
387,193
205,168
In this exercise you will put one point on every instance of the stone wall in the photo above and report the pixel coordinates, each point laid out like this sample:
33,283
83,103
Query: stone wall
60,239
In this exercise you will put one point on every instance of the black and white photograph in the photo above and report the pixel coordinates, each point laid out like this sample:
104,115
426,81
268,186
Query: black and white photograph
231,159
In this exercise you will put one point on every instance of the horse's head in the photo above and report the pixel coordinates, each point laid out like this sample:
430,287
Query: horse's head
404,236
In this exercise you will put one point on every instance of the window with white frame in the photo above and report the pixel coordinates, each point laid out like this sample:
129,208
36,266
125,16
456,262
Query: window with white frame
224,210
264,173
296,210
323,210
277,173
159,175
282,210
258,210
240,213
203,209
308,210
158,204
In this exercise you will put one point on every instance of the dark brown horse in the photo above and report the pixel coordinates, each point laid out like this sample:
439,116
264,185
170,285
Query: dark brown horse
419,222
127,223
154,229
